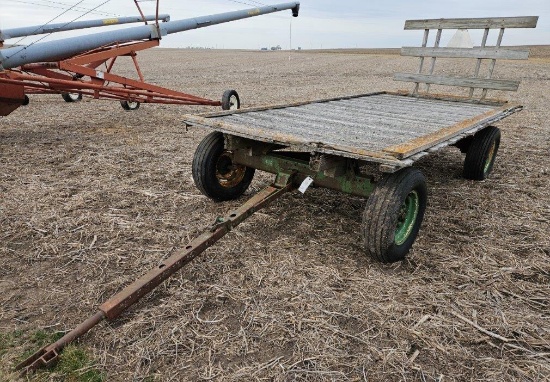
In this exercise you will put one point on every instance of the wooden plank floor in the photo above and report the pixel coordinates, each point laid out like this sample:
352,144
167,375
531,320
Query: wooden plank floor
373,123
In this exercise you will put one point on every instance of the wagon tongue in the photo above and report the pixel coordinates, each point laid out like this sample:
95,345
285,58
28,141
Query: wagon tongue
117,304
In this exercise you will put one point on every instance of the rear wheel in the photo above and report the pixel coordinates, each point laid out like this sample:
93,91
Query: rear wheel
129,105
231,100
482,153
214,172
71,97
393,215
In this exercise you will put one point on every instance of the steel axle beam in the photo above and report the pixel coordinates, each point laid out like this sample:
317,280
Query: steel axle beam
116,305
327,171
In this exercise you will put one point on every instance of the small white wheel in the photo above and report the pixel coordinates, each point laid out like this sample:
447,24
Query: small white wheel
230,100
71,97
129,105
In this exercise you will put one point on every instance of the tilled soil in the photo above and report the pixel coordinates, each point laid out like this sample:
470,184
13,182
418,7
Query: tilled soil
91,197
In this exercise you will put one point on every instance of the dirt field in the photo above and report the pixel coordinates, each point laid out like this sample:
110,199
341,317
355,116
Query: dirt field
91,197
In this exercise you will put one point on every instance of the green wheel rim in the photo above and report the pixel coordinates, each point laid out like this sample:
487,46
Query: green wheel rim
407,217
490,157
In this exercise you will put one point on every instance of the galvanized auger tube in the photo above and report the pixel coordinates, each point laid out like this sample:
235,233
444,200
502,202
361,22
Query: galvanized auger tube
62,27
64,48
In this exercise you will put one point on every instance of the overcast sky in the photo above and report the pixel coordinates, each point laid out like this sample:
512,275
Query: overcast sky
322,23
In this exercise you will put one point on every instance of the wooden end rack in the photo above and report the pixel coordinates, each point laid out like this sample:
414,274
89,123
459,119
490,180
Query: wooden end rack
481,53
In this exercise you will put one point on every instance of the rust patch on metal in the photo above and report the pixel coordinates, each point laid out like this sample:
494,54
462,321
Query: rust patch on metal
49,355
132,293
228,173
12,96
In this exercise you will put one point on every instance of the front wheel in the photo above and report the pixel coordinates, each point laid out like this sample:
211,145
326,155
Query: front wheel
231,100
214,172
129,105
393,215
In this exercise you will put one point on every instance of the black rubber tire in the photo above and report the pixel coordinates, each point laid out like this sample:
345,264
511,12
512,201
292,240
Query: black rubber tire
226,100
482,153
129,105
381,215
68,97
205,168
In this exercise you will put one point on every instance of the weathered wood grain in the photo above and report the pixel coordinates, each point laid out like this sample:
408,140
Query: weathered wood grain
483,53
468,82
474,23
420,144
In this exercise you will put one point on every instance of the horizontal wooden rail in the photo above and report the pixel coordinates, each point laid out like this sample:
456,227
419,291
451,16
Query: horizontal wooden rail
474,23
484,53
467,82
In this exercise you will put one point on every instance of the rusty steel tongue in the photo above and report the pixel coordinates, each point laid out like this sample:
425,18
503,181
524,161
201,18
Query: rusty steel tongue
49,355
116,305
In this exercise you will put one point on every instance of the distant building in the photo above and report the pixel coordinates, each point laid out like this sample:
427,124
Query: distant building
278,47
264,49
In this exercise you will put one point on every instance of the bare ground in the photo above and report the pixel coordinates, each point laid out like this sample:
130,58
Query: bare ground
91,197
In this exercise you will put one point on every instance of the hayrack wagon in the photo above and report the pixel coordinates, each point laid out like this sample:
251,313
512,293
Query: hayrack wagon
331,142
362,145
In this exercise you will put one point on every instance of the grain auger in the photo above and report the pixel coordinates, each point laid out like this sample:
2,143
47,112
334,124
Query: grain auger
83,65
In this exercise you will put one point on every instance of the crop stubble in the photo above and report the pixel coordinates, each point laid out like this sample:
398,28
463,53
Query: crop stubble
91,197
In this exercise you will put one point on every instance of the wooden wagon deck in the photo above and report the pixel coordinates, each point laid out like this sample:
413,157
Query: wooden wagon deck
383,127
391,128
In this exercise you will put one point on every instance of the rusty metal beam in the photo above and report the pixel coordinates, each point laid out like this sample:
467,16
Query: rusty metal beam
116,305
139,92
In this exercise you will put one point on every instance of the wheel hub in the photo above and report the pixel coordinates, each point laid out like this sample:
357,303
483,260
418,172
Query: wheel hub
234,103
490,157
229,174
407,217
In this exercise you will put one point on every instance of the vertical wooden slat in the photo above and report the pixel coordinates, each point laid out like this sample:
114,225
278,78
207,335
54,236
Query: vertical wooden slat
478,64
493,62
424,43
432,67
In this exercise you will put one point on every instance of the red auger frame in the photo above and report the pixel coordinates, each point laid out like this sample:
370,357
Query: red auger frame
71,67
80,74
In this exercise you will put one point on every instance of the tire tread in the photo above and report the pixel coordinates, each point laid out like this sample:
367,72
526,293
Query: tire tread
383,206
203,170
476,157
